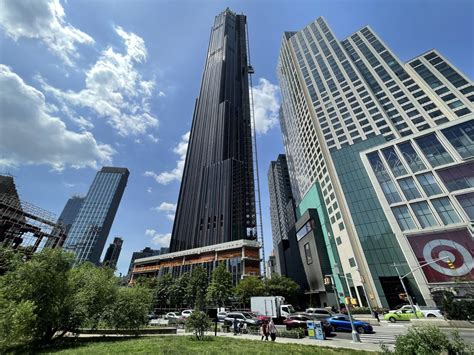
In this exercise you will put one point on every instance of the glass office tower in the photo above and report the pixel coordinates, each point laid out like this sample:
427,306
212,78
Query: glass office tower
355,119
91,227
216,201
113,253
70,211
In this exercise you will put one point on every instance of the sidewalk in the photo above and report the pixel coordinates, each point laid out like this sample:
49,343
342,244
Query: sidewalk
330,342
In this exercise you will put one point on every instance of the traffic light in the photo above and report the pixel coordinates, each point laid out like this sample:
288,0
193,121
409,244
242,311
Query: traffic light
403,296
450,264
327,280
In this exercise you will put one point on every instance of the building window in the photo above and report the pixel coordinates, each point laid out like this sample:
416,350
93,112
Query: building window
308,227
445,211
386,183
352,262
429,184
423,214
393,161
433,150
467,203
411,157
307,253
338,241
462,138
409,188
403,217
458,177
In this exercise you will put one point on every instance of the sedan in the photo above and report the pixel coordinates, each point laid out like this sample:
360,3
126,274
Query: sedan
186,313
243,317
221,316
403,315
172,315
342,322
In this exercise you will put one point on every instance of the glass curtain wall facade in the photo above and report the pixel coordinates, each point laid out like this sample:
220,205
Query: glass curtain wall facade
341,98
216,202
113,253
280,195
70,211
91,227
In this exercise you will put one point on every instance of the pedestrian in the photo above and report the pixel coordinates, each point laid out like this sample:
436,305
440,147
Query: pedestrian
236,326
272,329
264,330
260,331
376,315
333,309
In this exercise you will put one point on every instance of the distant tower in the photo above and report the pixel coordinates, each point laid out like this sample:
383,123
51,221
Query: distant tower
70,211
113,252
91,227
217,199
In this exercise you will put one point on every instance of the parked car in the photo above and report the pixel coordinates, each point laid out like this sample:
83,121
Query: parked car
260,316
299,321
245,317
402,315
221,316
322,311
152,315
172,315
342,322
186,313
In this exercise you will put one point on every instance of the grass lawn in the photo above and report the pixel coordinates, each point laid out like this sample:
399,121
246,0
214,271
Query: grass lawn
186,345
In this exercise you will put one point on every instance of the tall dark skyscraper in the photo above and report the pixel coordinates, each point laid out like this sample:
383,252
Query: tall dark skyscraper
113,252
70,211
217,199
91,227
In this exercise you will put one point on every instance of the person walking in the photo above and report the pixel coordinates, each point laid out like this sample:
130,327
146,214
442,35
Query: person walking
376,315
272,330
236,326
264,330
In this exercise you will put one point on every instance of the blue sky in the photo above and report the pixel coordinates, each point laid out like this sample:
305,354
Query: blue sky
91,83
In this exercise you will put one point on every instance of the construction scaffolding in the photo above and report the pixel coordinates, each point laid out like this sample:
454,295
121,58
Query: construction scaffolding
26,227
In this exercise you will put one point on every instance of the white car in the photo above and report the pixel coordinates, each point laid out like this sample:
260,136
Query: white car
319,311
186,313
221,316
172,315
429,312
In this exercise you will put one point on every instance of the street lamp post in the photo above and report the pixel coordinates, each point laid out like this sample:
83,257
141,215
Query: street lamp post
335,292
406,292
355,335
411,272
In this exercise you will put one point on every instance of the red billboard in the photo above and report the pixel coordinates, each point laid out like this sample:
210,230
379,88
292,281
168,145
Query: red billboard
455,246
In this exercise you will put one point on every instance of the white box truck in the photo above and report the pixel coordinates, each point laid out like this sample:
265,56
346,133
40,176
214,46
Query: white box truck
271,306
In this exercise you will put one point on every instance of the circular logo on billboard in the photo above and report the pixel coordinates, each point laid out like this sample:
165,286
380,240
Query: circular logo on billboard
448,249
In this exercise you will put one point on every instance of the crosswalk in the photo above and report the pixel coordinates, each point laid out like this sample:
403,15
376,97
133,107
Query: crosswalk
383,334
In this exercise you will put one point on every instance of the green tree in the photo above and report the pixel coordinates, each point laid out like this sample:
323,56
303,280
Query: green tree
94,291
131,308
198,322
16,322
248,287
163,289
197,287
282,286
220,288
8,259
41,284
178,292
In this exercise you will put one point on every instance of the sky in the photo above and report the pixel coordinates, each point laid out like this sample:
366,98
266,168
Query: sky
85,84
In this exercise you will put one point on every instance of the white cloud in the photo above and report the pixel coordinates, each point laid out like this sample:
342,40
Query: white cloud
266,99
153,138
166,177
162,240
44,20
114,89
161,94
30,134
166,206
149,190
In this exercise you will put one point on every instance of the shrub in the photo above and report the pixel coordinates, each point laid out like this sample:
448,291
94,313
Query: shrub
457,309
16,323
428,340
198,322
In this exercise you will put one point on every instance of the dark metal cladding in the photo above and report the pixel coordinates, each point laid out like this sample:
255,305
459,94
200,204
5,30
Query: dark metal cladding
217,198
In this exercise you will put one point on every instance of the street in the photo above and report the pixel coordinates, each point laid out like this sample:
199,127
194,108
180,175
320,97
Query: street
387,333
